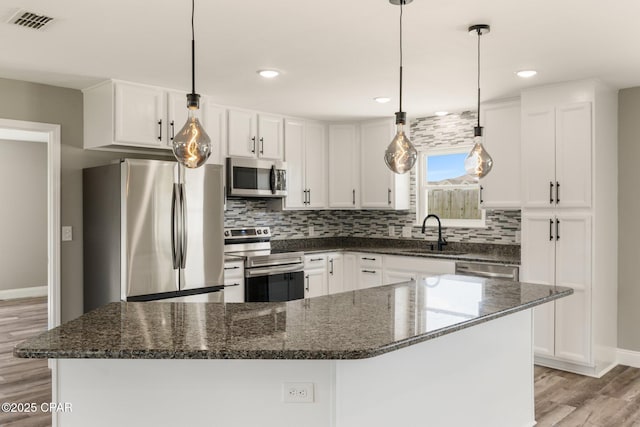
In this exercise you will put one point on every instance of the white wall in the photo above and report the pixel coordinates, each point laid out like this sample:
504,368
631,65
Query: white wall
23,214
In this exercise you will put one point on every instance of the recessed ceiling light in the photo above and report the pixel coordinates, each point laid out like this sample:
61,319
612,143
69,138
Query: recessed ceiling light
441,113
382,99
269,74
525,74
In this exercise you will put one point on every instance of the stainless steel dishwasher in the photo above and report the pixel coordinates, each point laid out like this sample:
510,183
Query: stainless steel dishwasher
493,271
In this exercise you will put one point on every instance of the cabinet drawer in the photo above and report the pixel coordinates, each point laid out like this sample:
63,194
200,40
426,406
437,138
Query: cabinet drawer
233,269
369,277
370,260
234,290
314,261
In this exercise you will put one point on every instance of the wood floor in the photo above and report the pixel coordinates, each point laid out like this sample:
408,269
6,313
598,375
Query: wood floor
562,399
23,380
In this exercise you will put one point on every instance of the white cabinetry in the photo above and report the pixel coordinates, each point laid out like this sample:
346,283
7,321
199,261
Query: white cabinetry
335,270
214,120
381,188
315,275
234,281
306,157
556,156
349,276
369,273
118,113
251,134
569,167
344,166
501,188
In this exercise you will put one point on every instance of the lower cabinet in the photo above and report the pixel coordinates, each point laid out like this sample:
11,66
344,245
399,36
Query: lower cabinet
397,276
315,275
369,273
349,266
234,281
335,273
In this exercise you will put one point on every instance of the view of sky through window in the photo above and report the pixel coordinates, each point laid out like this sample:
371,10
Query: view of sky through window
445,166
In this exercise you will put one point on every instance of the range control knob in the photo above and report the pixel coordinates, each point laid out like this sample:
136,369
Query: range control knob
265,231
227,233
259,231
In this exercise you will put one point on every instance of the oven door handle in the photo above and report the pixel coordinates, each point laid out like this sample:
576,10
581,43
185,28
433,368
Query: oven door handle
257,272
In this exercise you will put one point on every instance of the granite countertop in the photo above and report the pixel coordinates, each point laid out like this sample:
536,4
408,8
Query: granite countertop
350,325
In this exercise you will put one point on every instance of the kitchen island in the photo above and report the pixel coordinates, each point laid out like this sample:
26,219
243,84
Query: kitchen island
446,351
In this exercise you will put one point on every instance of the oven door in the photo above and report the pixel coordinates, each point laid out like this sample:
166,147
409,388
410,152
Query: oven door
256,178
274,284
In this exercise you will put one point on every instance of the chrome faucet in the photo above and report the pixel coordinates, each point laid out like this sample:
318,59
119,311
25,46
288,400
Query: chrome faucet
441,240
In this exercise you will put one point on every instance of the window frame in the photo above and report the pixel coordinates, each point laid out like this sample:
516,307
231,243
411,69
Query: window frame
421,188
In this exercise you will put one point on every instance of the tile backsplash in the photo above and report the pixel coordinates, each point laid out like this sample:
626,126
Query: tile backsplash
502,226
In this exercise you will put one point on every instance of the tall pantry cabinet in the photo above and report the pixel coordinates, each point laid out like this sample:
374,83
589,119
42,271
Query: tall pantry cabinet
569,221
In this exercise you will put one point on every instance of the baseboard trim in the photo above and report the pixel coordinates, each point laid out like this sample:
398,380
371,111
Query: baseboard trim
35,291
629,358
591,371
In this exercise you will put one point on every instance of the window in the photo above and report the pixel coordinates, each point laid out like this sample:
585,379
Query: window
445,189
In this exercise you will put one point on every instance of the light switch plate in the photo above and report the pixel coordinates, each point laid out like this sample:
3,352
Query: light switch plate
67,233
392,231
312,231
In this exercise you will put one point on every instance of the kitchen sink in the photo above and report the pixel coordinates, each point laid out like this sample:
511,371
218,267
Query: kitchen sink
430,251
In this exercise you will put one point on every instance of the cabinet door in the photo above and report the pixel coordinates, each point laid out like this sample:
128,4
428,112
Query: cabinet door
336,273
214,120
177,114
242,135
573,269
294,156
376,179
501,188
369,277
316,284
316,165
573,155
538,158
270,139
140,115
349,276
538,266
344,176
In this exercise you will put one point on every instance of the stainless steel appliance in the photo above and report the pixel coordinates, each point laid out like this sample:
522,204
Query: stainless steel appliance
153,230
256,177
269,275
494,271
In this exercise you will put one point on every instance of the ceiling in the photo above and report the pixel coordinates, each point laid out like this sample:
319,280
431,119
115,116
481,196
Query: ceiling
335,56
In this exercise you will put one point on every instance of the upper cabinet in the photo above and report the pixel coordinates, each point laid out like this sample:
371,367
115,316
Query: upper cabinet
381,188
556,154
344,166
251,134
306,157
501,189
214,120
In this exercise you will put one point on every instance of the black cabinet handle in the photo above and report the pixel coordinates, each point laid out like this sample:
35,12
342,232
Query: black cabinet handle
160,126
309,196
557,229
551,192
331,269
232,285
261,145
557,192
173,130
550,229
307,287
369,271
481,188
315,259
354,197
389,196
368,259
253,150
231,268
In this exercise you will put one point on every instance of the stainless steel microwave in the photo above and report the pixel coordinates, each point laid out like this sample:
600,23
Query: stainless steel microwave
256,177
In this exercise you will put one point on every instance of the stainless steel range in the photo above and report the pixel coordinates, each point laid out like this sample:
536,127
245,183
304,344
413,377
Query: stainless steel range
269,275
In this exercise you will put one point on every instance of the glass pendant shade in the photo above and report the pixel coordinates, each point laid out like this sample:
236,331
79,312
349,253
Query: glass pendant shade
478,162
400,155
192,145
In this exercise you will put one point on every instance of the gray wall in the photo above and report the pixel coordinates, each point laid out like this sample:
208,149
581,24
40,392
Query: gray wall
49,104
23,214
628,215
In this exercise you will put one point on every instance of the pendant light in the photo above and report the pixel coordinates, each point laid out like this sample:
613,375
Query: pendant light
478,163
400,155
192,145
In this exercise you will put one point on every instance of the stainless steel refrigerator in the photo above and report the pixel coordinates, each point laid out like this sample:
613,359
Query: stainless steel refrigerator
153,230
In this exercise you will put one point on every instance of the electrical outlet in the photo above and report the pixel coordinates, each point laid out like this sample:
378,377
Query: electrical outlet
312,231
406,231
392,231
518,236
297,392
67,233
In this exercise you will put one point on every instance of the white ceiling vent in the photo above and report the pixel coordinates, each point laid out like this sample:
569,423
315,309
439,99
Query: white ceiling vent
30,20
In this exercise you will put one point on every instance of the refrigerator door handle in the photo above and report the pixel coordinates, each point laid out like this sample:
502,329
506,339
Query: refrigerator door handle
174,227
183,207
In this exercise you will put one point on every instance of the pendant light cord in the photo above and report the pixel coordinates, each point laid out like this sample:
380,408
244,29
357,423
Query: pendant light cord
193,50
479,34
401,3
